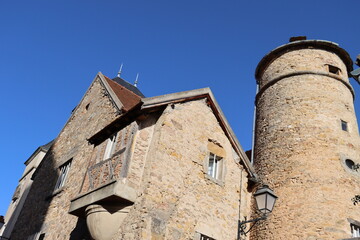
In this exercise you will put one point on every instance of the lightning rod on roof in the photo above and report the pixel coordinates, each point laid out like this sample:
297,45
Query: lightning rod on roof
119,73
136,80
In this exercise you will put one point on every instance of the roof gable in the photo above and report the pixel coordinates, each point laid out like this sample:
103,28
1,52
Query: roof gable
158,101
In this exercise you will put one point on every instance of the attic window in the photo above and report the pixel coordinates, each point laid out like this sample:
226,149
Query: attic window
215,166
344,125
333,69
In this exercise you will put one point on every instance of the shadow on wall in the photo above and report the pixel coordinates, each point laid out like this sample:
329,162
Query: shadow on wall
30,222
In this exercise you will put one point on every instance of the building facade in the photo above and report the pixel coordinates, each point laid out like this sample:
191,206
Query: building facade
169,167
307,141
129,167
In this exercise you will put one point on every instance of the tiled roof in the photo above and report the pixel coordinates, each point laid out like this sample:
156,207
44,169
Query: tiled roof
127,97
129,86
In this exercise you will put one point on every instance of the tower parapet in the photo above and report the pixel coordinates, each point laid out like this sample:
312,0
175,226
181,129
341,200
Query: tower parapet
307,140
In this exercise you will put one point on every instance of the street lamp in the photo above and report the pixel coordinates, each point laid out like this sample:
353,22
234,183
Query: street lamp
356,73
265,200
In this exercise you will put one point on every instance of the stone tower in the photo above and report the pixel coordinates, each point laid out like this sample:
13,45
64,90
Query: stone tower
307,141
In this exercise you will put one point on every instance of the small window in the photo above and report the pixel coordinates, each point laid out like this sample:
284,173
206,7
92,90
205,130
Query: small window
344,125
215,166
334,70
204,237
64,170
42,236
355,230
350,164
110,147
37,236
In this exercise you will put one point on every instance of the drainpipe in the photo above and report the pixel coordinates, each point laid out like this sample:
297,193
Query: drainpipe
253,130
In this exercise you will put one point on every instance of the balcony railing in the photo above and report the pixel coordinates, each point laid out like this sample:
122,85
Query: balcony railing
105,171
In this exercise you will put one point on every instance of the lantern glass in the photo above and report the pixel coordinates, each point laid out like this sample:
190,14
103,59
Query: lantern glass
265,199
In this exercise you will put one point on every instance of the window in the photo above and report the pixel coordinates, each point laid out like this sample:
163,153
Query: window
42,236
344,125
350,163
64,169
215,166
110,147
204,237
355,230
333,69
36,236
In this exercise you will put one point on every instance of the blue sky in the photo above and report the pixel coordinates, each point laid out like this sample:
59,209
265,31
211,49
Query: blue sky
50,51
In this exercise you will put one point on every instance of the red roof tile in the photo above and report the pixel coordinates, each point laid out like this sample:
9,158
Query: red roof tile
128,99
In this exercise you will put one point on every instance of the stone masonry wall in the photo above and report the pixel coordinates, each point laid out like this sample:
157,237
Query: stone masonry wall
176,197
301,149
46,210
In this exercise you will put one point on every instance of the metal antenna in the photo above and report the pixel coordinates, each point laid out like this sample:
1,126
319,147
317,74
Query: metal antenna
136,80
119,73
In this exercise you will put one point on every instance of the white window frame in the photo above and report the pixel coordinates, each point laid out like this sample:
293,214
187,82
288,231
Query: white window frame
36,236
355,230
200,236
215,166
63,173
110,146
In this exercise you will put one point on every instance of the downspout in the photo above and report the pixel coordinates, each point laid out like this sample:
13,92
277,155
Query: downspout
239,220
253,129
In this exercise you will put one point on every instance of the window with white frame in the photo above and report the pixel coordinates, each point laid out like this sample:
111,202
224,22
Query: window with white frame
36,236
110,147
204,237
355,230
63,172
215,166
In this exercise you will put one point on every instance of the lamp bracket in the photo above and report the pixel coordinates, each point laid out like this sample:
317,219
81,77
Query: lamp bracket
242,224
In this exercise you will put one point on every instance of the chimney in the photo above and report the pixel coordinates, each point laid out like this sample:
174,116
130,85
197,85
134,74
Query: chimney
298,38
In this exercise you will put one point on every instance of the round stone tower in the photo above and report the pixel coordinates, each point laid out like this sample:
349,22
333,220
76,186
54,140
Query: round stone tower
307,143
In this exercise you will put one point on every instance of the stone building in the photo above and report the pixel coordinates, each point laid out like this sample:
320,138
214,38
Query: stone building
129,167
307,141
169,167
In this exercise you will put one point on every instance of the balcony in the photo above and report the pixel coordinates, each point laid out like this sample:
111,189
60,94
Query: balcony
102,185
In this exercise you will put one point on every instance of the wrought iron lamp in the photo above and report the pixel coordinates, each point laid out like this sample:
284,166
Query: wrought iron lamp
265,200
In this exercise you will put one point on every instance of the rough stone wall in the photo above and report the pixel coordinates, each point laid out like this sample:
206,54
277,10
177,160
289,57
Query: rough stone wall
300,148
45,210
176,198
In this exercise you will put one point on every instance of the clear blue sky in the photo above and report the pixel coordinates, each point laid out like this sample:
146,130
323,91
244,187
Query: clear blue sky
50,51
